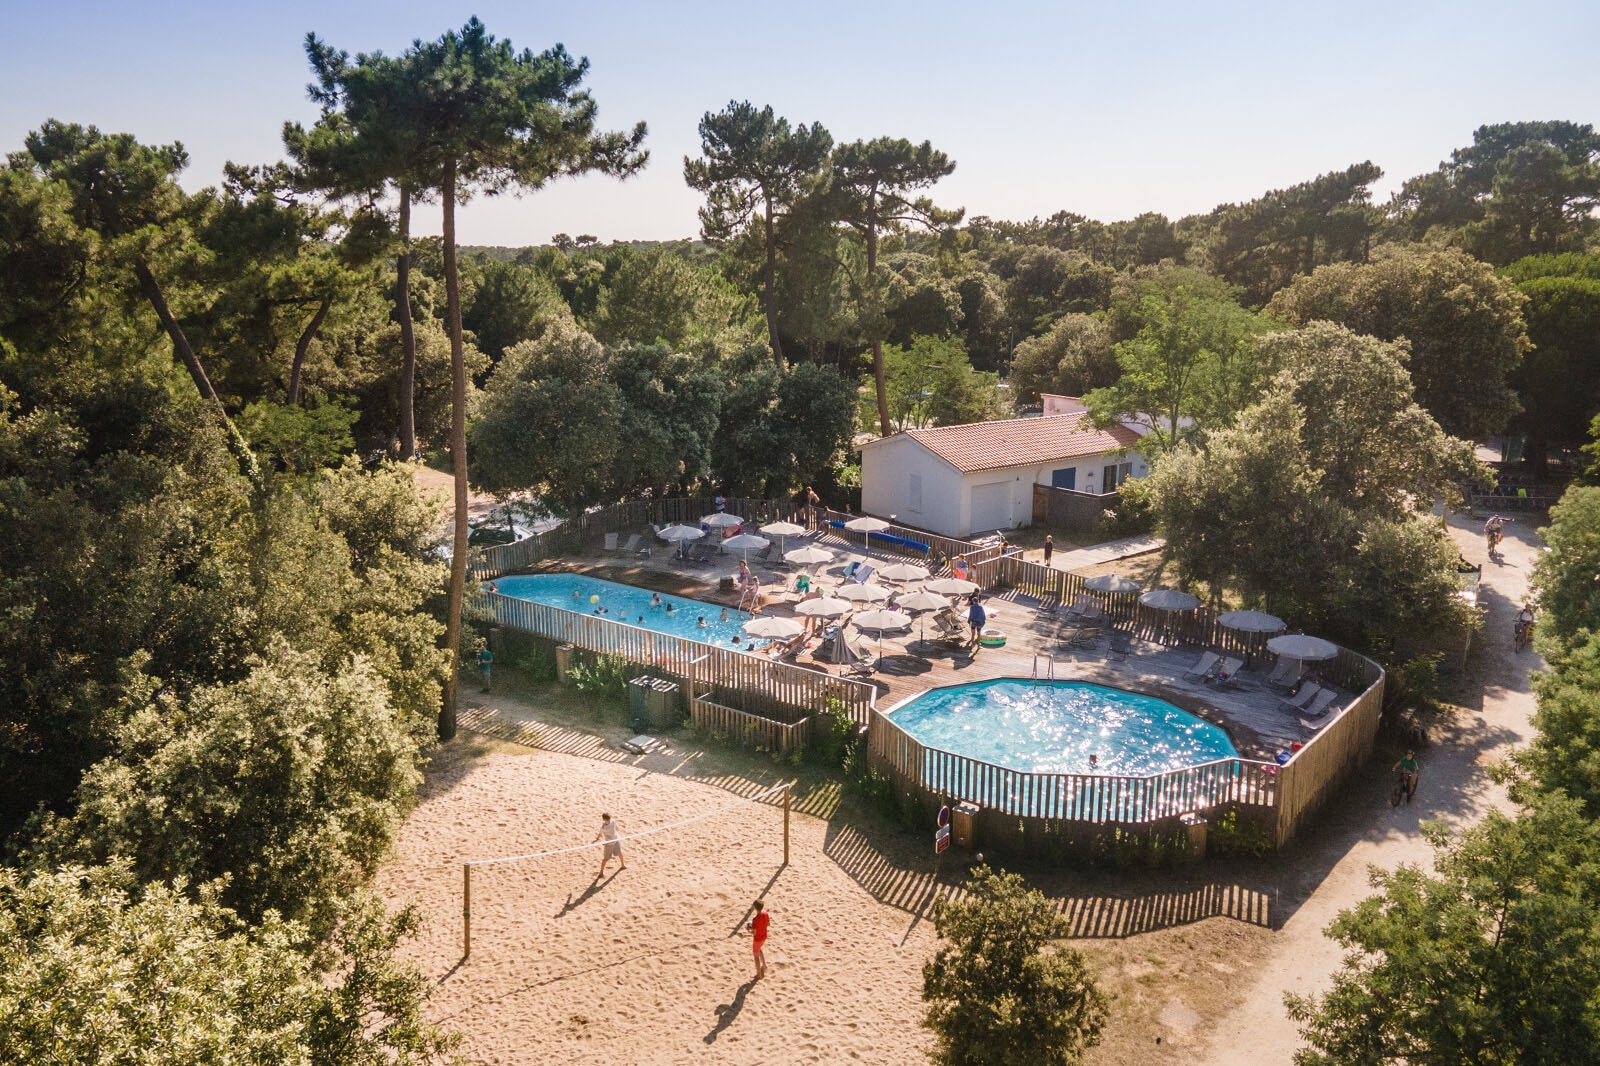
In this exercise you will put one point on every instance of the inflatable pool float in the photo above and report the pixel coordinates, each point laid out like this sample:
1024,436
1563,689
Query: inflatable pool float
992,639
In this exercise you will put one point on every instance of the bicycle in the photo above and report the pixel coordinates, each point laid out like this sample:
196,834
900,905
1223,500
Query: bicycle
1521,635
1405,786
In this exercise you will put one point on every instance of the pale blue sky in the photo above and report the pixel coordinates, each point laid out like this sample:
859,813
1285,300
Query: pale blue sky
1106,109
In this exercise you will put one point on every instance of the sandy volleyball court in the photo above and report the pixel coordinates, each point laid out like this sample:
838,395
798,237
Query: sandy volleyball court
648,964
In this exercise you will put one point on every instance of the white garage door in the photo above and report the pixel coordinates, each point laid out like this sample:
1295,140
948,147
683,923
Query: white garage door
991,507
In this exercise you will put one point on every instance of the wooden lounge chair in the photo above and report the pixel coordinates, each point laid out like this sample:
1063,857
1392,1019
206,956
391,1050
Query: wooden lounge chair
1204,666
1302,699
1320,704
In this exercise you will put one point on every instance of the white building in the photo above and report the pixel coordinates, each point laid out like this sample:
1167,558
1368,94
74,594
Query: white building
965,480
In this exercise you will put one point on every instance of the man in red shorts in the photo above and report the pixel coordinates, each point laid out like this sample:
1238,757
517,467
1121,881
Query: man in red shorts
758,931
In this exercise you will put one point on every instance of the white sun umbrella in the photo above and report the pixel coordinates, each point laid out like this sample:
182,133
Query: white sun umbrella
952,586
681,534
1170,600
903,572
721,518
783,531
881,622
774,628
1111,583
1251,622
746,543
868,593
866,525
920,603
1300,646
824,607
810,555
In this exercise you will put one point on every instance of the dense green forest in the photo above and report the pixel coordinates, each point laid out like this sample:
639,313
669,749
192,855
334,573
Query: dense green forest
229,639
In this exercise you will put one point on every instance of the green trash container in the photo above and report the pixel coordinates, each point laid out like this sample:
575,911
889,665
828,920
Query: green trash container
638,703
662,704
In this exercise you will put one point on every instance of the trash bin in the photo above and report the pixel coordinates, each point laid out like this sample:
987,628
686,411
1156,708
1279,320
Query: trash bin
638,706
963,818
564,653
661,703
1195,826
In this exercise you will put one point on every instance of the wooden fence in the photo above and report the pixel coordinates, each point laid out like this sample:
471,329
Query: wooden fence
1048,805
737,679
1336,750
1095,798
751,730
1079,513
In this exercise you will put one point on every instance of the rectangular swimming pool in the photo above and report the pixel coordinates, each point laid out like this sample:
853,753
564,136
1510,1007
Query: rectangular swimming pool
677,616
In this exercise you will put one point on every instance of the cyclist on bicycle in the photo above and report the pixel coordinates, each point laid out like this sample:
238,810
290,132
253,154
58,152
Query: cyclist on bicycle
1407,769
1525,620
1494,531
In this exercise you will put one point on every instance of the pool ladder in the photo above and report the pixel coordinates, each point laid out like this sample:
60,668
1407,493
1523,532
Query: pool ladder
1049,666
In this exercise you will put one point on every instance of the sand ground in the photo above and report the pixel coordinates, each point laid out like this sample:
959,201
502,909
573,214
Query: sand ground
648,965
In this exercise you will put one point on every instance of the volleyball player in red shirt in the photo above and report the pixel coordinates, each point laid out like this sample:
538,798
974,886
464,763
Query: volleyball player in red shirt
758,931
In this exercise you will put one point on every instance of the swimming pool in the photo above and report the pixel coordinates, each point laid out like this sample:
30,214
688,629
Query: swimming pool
631,606
1054,726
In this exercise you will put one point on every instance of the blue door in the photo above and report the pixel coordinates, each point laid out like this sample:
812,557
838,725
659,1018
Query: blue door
1066,478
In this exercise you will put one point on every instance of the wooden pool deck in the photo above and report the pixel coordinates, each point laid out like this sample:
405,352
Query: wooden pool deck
1253,713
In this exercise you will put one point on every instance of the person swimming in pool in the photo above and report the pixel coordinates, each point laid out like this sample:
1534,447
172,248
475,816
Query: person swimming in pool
655,599
701,621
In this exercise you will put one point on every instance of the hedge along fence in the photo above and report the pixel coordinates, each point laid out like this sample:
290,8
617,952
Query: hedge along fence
738,680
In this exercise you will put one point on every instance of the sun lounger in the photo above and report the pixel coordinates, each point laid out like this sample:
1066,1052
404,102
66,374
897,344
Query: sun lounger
948,626
1080,636
1302,699
1319,706
1075,610
1286,674
1226,672
631,546
611,542
1204,666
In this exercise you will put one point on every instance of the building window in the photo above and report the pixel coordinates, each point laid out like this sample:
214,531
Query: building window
914,494
1115,475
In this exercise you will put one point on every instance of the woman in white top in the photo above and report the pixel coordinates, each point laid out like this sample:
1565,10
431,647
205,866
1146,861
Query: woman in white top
613,849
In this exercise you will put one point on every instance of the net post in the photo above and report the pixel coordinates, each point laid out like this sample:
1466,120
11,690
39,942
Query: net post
466,909
786,791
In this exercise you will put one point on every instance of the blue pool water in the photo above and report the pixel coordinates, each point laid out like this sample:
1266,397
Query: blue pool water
625,603
1054,726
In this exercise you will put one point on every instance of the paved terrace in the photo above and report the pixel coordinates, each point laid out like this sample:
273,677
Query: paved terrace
1253,713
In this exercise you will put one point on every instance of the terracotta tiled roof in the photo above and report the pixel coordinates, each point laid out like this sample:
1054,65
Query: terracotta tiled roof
1021,441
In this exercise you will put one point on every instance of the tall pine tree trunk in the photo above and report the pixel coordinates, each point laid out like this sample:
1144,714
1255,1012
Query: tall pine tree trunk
302,346
180,344
408,336
458,457
769,276
878,376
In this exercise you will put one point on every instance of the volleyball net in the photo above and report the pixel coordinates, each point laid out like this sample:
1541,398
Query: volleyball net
468,866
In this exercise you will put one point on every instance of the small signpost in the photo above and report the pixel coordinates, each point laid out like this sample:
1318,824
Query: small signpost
941,835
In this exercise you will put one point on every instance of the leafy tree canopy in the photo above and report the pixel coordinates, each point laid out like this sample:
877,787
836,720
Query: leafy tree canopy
1001,990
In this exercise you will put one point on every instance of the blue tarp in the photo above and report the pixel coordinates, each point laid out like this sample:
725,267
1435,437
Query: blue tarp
890,538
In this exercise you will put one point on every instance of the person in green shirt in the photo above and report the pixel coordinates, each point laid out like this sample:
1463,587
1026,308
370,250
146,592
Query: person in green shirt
485,663
1407,767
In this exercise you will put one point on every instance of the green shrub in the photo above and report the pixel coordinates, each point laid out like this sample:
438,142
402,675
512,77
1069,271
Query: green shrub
1228,836
605,677
539,663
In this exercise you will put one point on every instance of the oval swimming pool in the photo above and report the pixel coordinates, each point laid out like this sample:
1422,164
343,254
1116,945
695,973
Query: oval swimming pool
632,606
1054,726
